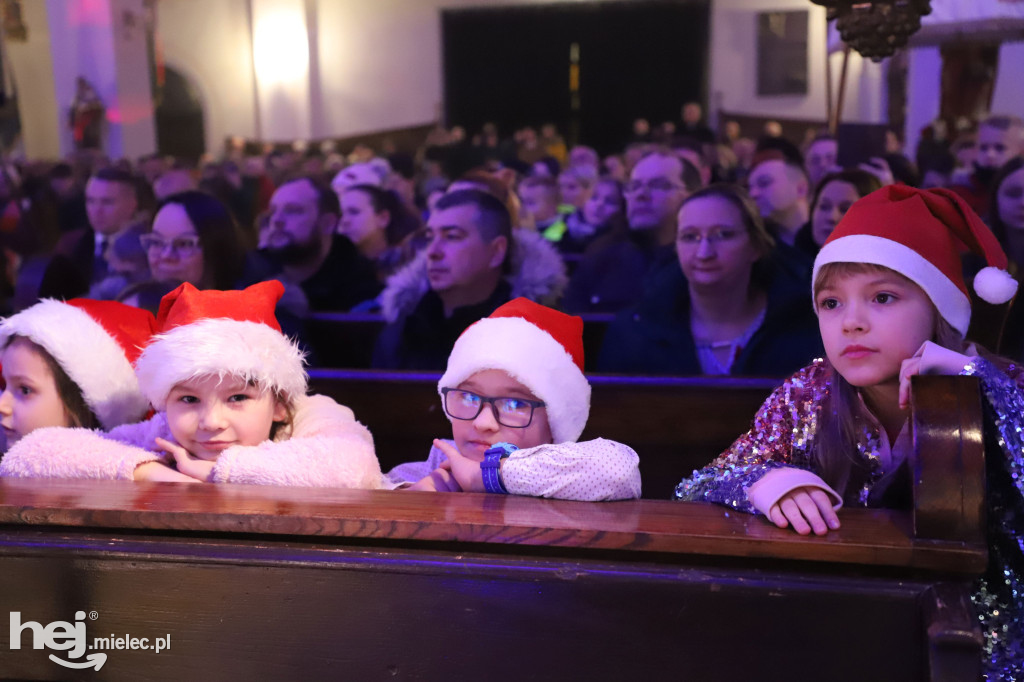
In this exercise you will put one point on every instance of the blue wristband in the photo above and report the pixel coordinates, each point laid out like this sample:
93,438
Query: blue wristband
491,467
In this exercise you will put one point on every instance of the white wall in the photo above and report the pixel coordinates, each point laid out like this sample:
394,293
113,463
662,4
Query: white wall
210,43
101,40
31,64
379,63
1008,97
733,78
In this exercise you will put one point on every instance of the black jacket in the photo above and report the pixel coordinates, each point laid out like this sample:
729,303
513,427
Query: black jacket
654,337
423,339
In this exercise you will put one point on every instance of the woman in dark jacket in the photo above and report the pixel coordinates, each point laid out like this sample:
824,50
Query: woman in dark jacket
721,313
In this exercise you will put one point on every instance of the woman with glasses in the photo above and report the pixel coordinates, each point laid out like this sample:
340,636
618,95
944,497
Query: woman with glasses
194,239
723,312
518,401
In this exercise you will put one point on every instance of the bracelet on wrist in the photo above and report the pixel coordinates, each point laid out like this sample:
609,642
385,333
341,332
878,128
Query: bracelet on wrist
490,467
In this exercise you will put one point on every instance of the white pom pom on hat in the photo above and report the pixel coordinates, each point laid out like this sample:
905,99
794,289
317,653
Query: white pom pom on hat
921,235
994,285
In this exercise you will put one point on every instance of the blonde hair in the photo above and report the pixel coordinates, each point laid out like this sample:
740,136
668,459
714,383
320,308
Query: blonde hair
843,413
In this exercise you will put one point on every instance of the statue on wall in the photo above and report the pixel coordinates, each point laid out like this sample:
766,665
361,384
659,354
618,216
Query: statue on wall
13,23
87,114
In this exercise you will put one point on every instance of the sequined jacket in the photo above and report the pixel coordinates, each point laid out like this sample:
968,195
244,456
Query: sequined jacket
783,435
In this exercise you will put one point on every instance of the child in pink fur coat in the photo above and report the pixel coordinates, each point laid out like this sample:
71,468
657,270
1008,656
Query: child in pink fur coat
230,394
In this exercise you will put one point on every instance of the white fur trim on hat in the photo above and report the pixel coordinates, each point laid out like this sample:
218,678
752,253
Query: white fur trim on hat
88,354
951,302
532,357
221,347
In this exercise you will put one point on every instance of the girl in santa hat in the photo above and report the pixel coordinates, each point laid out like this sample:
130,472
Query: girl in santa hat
229,390
518,401
70,364
891,303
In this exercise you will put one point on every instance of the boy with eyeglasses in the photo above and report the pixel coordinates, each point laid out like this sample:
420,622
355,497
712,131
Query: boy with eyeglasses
516,396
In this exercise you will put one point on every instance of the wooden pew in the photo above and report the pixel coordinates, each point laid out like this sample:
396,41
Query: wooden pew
346,340
676,424
265,583
343,339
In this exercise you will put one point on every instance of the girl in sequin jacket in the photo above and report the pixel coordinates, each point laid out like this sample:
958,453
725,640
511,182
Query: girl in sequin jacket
891,303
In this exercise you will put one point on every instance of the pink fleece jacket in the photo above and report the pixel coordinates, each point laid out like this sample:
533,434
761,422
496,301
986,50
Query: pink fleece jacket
325,447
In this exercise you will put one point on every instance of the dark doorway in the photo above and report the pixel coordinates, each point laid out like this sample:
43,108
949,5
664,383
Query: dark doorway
179,119
968,81
511,65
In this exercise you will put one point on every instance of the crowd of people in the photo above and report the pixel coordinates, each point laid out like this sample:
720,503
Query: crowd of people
435,239
155,315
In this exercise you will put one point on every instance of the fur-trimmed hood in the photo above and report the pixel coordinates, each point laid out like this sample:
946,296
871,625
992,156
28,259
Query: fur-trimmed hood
537,273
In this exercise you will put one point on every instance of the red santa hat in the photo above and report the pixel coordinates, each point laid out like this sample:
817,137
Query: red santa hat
221,333
540,348
921,234
95,343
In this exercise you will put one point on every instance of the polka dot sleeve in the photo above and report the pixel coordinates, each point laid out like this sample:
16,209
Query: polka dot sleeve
594,471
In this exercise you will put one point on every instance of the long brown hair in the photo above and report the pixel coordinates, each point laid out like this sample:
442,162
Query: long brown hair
76,410
842,411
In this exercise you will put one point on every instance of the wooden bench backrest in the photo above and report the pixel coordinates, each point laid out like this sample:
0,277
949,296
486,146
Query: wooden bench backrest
346,340
268,582
675,424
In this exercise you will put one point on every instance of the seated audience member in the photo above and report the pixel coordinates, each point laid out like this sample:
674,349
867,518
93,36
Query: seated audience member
725,316
965,151
602,212
780,188
538,196
574,186
300,244
1000,138
360,174
472,262
151,166
499,184
516,396
553,143
1006,218
693,124
112,202
833,197
174,181
194,239
377,222
584,159
937,169
127,265
70,364
575,228
821,159
614,167
229,390
615,268
547,167
692,150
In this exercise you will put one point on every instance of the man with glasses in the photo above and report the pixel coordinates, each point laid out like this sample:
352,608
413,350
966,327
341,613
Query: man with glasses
518,401
617,268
